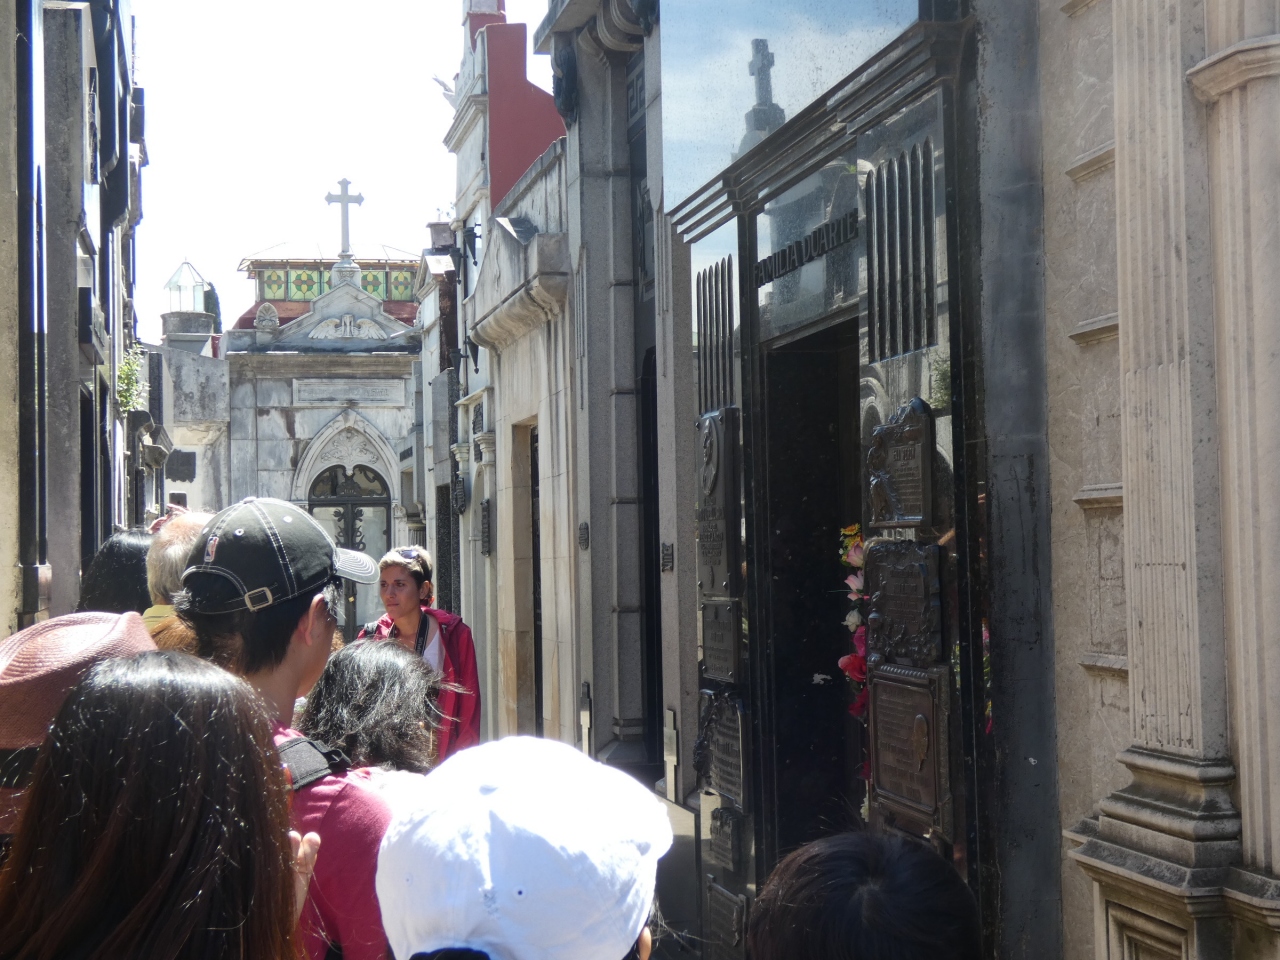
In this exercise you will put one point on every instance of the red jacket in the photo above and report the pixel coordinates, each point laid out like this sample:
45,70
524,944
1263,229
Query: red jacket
460,727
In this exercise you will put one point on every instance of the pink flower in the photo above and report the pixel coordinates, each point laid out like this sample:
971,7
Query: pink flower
854,667
855,556
859,706
860,640
854,582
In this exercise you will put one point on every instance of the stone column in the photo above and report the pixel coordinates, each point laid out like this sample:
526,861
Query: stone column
1240,82
1163,842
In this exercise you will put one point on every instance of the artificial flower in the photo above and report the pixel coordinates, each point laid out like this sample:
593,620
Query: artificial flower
854,666
856,555
859,706
854,582
853,620
860,640
850,531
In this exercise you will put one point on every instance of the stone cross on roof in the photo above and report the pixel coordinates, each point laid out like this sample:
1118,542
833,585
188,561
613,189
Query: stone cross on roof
761,66
346,199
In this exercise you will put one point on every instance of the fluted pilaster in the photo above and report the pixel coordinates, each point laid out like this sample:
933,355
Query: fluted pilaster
1240,83
1170,461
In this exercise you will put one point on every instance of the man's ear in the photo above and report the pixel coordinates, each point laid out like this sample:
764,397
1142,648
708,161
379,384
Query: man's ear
315,625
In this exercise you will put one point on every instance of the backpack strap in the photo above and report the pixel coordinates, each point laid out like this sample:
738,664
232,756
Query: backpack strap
310,760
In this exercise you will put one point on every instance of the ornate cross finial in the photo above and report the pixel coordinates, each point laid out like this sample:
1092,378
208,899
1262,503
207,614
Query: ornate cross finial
346,199
761,66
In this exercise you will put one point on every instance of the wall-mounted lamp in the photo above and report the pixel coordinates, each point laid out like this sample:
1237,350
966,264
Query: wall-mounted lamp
470,237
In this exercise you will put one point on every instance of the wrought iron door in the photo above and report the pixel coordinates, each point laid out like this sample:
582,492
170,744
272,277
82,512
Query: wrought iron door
355,508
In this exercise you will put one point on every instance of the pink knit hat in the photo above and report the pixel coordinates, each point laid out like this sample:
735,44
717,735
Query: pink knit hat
38,668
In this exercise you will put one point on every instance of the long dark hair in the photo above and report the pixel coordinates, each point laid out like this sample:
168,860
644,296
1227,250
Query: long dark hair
864,896
376,702
116,579
156,825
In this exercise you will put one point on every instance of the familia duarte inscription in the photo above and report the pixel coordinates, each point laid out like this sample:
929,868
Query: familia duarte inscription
834,233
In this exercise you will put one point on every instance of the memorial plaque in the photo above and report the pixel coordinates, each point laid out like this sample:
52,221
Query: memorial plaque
900,468
721,624
718,753
726,838
719,508
909,728
726,923
327,391
904,612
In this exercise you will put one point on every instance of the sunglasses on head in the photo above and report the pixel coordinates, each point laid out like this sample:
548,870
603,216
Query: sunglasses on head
409,553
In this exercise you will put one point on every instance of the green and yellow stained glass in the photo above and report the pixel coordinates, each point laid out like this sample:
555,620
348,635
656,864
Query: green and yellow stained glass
374,283
304,284
401,285
273,285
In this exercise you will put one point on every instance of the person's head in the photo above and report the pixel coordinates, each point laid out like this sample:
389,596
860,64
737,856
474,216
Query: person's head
522,848
375,701
864,896
404,580
38,666
167,558
262,589
157,822
116,578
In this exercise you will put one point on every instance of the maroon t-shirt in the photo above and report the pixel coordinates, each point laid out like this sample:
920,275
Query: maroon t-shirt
342,903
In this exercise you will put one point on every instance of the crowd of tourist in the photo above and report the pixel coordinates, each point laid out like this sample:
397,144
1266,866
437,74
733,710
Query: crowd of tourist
194,766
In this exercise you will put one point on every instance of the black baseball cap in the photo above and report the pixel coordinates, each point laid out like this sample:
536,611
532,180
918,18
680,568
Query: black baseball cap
260,552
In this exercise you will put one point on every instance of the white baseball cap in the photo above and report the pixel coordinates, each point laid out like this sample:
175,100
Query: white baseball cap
524,849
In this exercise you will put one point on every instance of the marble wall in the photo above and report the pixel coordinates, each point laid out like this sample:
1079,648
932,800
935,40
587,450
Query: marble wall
1091,666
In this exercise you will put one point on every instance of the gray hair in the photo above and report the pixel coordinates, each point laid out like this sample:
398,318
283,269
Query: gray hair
167,556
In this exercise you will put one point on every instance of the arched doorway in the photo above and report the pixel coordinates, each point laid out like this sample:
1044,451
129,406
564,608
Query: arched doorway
355,508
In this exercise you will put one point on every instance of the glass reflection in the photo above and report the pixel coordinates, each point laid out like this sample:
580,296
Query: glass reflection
729,81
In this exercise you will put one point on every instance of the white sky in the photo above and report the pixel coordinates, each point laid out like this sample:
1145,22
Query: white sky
255,110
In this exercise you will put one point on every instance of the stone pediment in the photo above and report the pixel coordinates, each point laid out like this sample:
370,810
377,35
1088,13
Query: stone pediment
523,281
344,318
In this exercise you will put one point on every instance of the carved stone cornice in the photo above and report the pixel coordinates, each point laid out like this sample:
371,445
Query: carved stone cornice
1237,65
538,296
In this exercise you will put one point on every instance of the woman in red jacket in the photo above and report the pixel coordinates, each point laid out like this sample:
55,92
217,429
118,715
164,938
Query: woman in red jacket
439,637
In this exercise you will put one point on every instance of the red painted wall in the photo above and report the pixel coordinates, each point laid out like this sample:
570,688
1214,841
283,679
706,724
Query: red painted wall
522,117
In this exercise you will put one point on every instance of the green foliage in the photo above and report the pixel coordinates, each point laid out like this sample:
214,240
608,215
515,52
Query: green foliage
129,393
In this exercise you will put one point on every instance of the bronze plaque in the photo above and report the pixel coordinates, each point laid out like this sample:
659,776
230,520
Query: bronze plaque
719,526
904,614
900,468
719,754
726,838
726,922
721,624
909,727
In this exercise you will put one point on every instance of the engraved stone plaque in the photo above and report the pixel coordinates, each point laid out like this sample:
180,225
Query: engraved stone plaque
719,527
718,753
900,468
330,391
726,838
909,721
721,640
904,615
726,922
